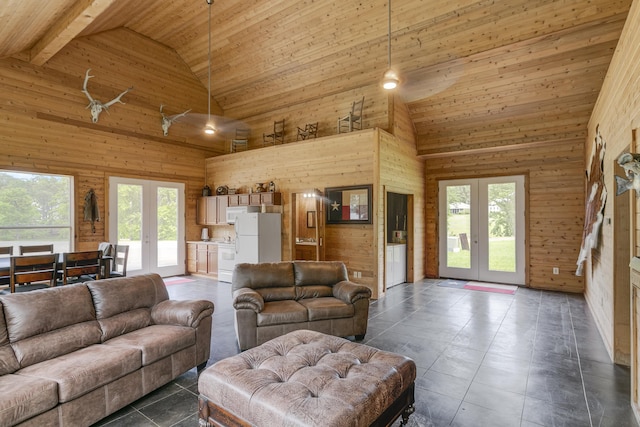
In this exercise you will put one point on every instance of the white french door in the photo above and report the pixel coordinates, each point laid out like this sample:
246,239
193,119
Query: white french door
482,223
149,217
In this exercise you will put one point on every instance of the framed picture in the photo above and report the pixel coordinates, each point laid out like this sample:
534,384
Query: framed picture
349,205
311,219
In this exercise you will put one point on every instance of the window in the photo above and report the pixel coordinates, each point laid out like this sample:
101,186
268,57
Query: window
36,209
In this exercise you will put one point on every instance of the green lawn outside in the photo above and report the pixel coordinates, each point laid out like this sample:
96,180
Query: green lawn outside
502,255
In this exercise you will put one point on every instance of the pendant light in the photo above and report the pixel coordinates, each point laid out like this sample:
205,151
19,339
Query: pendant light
390,79
209,128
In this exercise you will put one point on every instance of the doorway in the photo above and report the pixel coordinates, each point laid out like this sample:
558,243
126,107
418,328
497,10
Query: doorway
482,223
396,239
149,217
307,226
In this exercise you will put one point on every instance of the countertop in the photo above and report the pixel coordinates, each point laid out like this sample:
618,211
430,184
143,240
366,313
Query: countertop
212,242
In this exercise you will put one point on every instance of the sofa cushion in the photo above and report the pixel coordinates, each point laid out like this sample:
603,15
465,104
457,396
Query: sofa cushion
326,273
25,397
279,312
124,323
87,369
156,342
273,280
37,312
8,361
33,350
118,295
313,291
38,316
327,308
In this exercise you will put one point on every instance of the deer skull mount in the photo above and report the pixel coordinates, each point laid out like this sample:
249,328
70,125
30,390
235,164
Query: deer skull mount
95,105
167,121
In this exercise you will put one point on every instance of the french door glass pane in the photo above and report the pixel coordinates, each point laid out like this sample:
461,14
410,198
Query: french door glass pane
167,226
458,226
130,222
502,226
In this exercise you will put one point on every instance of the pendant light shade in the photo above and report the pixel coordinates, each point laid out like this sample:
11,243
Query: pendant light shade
390,79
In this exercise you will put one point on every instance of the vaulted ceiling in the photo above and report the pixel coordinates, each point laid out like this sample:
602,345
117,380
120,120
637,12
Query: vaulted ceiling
476,74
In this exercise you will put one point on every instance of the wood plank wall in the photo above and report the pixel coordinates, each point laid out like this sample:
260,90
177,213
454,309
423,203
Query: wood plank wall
617,114
554,172
401,171
46,128
334,161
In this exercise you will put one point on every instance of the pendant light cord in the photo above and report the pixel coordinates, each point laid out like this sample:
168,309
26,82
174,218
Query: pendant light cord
210,2
389,37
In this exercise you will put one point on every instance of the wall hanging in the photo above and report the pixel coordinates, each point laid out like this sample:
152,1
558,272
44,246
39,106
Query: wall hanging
596,200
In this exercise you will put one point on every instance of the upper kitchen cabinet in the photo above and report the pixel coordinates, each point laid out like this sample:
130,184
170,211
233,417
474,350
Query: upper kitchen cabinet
212,210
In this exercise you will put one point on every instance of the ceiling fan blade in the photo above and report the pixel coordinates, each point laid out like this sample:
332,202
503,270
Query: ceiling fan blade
225,126
425,82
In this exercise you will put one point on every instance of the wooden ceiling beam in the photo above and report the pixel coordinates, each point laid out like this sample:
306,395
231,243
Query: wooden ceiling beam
76,19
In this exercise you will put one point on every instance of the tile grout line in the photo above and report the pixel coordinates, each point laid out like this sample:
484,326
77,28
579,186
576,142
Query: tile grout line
575,341
535,336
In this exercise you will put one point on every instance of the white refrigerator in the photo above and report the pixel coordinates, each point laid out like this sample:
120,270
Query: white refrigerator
258,237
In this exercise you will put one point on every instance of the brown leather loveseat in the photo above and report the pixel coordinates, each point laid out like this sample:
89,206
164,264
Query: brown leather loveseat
272,299
72,355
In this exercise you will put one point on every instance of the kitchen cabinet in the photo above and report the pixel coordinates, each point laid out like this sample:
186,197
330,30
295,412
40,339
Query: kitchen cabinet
212,210
202,258
306,251
396,264
268,199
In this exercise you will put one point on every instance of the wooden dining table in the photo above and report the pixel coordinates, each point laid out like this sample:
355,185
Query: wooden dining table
5,267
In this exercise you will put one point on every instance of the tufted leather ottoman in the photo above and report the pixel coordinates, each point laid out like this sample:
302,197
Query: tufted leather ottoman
307,378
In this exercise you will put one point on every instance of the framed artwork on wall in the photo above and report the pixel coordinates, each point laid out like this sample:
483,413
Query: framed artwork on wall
349,205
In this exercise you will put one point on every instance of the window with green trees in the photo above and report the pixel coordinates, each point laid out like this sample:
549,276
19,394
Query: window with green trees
36,209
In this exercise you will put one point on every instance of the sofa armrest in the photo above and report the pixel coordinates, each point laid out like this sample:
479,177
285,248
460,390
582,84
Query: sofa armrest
181,313
350,292
247,298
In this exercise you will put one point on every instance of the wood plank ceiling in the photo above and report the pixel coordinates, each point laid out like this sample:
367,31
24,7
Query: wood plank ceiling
477,74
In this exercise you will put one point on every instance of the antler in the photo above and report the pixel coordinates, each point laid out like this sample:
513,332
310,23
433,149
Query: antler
95,105
168,121
116,99
84,88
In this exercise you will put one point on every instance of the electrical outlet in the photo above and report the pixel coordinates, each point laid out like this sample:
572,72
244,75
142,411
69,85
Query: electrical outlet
556,270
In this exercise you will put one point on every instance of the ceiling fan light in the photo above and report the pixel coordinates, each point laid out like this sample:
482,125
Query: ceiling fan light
390,80
209,130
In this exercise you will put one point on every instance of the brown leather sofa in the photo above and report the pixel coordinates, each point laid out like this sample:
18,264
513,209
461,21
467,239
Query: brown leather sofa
72,355
272,299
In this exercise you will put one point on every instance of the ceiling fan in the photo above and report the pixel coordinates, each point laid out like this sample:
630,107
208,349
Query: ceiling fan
423,82
206,125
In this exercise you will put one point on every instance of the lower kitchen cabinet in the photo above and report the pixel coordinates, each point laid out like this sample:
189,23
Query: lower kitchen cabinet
202,258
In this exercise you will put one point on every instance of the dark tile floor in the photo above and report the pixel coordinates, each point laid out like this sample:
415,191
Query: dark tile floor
484,359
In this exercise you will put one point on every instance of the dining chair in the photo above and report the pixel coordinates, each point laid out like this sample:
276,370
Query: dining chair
32,268
5,252
277,136
33,249
120,257
241,140
310,131
353,120
81,266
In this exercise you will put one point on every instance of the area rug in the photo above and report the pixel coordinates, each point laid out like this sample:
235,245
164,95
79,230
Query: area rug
480,286
491,287
176,280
